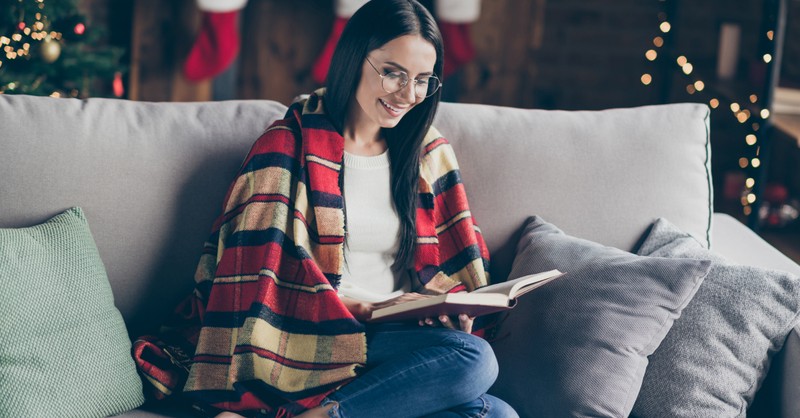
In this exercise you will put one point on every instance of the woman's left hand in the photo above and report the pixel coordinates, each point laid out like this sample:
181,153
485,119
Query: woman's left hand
464,322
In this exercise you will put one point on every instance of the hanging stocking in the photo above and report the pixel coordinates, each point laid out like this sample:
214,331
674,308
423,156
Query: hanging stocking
455,18
217,44
344,9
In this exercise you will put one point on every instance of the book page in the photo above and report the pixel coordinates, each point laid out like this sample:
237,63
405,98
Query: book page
520,286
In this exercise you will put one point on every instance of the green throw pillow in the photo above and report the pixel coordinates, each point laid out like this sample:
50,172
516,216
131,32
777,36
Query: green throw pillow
64,349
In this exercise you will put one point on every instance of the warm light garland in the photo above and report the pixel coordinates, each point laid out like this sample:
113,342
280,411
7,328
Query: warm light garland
48,48
18,44
742,115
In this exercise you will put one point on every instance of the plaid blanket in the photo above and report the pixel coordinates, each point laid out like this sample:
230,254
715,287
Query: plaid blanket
268,333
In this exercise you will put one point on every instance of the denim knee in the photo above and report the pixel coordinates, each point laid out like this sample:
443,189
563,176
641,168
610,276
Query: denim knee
480,364
496,407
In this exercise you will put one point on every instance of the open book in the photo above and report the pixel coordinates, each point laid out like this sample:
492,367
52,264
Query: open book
482,301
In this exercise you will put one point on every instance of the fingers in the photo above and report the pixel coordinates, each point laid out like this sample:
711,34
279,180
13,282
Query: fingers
427,321
406,297
445,321
465,323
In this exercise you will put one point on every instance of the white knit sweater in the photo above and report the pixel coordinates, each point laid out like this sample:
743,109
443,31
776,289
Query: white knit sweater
372,231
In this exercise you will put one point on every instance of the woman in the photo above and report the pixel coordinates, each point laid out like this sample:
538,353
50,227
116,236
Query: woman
349,204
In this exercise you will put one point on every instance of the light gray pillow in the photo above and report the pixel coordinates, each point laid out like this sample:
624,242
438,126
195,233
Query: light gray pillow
717,354
578,346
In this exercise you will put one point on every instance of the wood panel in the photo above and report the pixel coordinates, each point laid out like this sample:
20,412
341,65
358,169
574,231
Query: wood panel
162,35
506,37
530,53
282,40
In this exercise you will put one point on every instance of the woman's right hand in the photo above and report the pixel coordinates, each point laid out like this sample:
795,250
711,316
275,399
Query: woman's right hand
362,310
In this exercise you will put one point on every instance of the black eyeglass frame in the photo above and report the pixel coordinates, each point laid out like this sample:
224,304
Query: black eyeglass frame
404,81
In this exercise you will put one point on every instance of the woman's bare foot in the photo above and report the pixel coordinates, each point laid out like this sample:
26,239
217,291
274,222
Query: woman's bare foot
318,412
228,414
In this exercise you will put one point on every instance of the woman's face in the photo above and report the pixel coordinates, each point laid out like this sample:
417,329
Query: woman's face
375,107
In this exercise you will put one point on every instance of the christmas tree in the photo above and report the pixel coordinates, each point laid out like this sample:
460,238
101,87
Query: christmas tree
48,48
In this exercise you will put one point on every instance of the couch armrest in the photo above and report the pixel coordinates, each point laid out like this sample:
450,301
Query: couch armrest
739,244
790,376
779,395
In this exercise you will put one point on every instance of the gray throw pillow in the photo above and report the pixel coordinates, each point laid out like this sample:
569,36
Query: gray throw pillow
714,358
64,349
578,346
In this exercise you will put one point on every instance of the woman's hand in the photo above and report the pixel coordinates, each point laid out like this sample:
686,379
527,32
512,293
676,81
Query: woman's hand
464,322
363,310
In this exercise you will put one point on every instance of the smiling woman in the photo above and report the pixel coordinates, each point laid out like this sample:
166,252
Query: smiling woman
351,203
383,99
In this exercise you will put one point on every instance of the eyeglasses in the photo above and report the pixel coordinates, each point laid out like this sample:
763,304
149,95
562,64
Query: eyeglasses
424,86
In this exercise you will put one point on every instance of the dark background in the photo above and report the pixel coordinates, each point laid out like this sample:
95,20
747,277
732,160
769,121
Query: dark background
551,54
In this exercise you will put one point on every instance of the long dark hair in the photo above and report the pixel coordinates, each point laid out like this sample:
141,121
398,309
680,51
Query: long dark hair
371,27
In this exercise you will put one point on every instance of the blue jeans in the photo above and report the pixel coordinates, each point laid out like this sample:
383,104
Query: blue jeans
422,372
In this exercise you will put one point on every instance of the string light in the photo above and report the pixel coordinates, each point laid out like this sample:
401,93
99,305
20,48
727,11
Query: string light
16,45
742,114
743,162
19,44
699,85
742,117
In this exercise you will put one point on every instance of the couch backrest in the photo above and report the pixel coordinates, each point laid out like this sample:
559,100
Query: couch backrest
600,175
151,176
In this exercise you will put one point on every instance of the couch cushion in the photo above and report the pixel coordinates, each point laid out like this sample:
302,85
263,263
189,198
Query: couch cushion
718,352
601,175
150,176
64,350
578,346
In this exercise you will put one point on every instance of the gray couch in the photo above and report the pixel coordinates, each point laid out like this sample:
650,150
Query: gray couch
151,178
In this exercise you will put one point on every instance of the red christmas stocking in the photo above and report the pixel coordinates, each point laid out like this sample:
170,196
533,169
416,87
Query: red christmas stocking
455,18
217,44
344,9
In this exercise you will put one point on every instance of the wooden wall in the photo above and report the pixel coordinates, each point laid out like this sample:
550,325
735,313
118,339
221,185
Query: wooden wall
280,43
161,37
530,53
567,54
